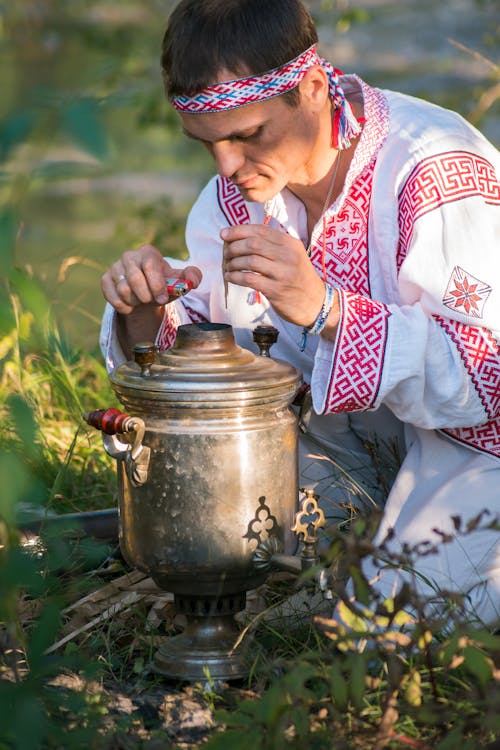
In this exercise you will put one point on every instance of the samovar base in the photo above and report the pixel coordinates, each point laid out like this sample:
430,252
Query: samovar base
208,648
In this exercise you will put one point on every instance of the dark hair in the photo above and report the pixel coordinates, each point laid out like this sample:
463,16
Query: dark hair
242,36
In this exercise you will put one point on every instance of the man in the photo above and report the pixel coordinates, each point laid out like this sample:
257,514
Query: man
363,224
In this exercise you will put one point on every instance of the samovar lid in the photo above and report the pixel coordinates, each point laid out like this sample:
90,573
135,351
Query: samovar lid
206,365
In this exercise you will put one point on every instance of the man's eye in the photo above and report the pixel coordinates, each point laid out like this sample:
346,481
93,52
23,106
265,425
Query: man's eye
250,136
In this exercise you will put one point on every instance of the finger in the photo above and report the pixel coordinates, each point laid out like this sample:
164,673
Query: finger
252,264
244,231
251,246
156,271
192,274
112,295
255,281
144,270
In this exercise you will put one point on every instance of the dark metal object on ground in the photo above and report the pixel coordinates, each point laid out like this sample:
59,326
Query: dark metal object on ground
100,524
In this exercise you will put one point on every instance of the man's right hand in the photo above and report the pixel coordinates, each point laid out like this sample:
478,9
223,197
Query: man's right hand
135,287
138,278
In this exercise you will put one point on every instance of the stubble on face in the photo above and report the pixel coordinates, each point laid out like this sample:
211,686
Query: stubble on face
273,142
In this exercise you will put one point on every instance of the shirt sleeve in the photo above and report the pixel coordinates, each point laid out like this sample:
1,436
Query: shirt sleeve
433,358
175,314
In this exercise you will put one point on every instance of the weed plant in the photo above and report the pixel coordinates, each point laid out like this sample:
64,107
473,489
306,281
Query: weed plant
371,675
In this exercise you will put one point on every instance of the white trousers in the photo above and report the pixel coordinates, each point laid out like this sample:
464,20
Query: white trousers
352,461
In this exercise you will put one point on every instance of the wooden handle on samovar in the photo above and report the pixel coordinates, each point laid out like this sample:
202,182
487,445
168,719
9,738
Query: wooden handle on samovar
111,421
265,337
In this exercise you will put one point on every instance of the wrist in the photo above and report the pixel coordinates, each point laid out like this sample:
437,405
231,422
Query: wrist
330,330
142,324
325,318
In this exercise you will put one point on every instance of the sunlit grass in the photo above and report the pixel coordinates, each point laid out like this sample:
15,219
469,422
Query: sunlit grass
57,383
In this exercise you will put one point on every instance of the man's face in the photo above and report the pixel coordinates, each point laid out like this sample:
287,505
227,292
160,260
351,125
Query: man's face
260,147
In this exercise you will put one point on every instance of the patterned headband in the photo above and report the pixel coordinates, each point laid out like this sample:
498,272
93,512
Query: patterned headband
236,93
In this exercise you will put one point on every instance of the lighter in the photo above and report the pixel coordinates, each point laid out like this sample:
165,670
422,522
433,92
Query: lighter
178,287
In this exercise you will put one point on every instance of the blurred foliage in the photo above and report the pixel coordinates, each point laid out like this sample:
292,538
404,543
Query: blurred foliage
84,129
47,462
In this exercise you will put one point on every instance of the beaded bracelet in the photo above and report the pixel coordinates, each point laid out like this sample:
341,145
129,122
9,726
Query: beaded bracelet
320,321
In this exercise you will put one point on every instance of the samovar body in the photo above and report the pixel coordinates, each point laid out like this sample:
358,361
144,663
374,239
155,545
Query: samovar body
218,485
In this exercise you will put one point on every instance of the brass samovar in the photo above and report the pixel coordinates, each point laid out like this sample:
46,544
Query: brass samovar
206,449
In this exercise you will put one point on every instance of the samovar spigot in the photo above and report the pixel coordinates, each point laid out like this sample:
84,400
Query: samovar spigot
308,520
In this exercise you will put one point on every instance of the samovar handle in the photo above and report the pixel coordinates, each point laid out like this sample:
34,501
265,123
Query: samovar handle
113,422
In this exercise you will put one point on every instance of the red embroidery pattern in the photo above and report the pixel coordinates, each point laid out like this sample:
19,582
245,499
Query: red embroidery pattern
256,88
171,322
481,355
357,367
231,202
194,316
168,329
374,132
346,260
466,294
441,179
485,437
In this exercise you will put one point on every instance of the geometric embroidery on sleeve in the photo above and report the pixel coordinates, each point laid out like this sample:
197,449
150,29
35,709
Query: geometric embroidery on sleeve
194,315
440,179
480,354
231,202
167,333
359,356
484,437
168,329
466,294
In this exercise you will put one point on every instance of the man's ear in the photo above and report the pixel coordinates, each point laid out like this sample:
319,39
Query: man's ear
314,88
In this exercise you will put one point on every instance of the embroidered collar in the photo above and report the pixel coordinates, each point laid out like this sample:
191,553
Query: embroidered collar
375,131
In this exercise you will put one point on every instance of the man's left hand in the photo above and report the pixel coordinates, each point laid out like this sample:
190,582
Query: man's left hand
277,265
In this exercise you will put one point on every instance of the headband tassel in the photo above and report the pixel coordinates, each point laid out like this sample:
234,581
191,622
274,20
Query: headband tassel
344,126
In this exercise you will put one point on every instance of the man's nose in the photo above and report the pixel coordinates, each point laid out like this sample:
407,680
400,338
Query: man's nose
228,157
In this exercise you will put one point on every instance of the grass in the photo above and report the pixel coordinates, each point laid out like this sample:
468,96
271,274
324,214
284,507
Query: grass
44,390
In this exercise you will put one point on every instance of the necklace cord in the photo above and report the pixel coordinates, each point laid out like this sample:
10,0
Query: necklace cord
329,299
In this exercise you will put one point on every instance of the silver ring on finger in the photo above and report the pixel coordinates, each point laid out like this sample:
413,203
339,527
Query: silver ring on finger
121,277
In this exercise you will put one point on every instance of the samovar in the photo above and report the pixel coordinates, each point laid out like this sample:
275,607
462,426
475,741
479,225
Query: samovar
206,450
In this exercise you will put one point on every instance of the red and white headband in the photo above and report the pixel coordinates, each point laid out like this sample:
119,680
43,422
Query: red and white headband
257,88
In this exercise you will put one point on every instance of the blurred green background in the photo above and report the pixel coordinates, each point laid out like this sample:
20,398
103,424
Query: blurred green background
94,162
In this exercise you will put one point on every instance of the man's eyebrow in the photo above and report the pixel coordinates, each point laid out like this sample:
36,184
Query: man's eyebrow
235,134
190,135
